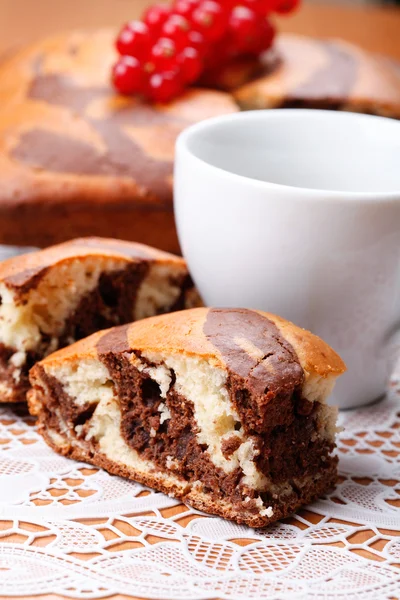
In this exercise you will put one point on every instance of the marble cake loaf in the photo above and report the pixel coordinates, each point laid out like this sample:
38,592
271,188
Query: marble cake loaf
53,297
327,74
76,159
222,408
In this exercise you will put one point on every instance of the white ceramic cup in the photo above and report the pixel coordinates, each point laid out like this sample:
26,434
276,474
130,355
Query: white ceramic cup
297,212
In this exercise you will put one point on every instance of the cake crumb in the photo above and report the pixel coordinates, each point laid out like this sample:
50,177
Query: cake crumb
171,463
230,444
16,374
264,512
164,412
18,359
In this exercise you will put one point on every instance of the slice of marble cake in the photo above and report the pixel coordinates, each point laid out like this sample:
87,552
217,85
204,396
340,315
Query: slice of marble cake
222,408
53,297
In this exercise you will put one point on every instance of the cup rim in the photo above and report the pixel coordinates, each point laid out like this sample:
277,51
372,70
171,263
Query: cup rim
191,131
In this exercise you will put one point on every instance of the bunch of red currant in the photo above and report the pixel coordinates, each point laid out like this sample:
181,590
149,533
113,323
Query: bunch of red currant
174,45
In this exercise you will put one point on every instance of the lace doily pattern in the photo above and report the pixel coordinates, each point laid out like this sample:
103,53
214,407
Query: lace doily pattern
74,530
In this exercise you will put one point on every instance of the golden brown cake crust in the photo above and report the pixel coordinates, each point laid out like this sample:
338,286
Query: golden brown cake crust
21,271
75,158
184,333
330,74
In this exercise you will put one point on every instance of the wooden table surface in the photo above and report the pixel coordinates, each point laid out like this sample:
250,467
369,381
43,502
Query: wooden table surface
374,28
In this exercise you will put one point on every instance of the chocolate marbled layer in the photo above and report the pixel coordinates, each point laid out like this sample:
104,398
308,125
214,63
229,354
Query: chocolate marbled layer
264,370
290,452
110,303
286,458
17,386
328,74
60,153
334,79
119,268
265,376
26,279
114,341
81,159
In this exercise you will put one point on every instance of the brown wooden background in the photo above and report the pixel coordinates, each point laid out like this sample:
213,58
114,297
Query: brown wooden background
374,28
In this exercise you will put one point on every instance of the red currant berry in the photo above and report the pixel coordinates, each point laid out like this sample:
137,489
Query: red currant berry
191,64
263,38
155,17
220,54
211,19
196,40
134,40
163,87
127,75
243,27
285,6
260,7
185,7
228,5
176,28
163,54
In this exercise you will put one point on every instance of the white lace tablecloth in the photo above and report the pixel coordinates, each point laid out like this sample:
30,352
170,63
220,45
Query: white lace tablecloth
74,530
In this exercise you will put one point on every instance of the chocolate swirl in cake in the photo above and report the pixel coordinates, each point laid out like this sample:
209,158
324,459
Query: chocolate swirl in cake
26,279
265,375
327,74
261,355
155,401
115,340
60,153
334,79
50,298
78,159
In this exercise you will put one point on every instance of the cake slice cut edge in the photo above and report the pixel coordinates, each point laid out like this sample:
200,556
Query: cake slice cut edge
161,401
53,297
